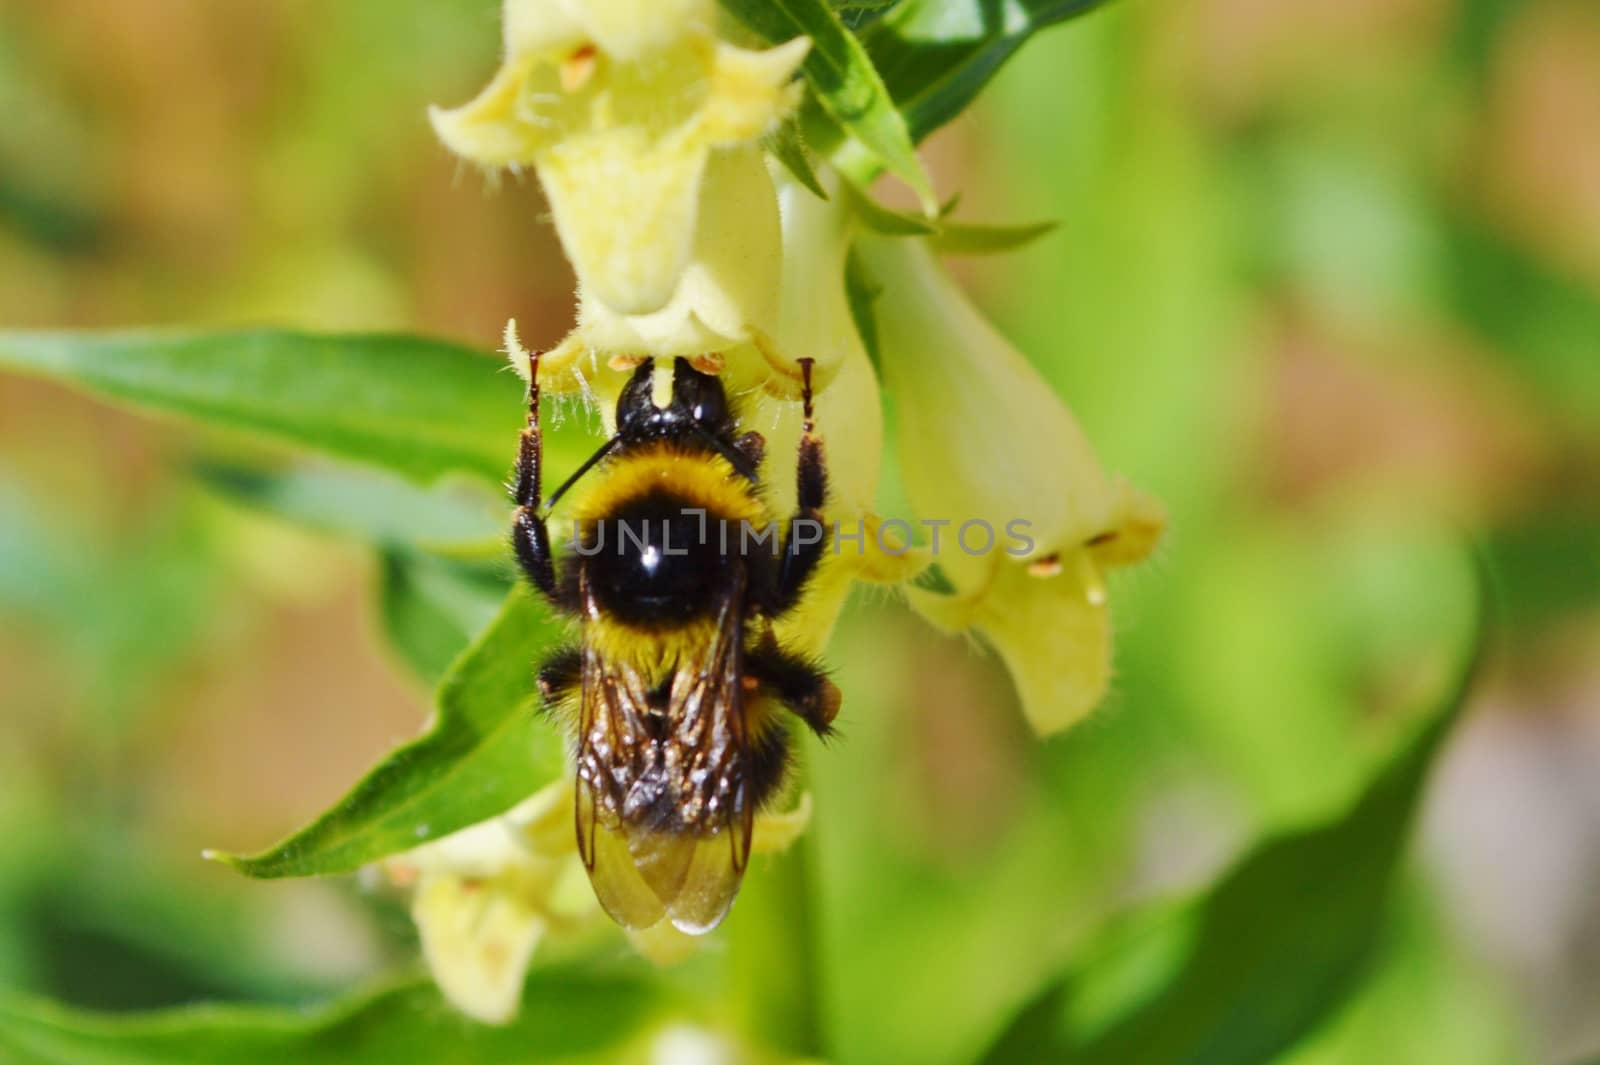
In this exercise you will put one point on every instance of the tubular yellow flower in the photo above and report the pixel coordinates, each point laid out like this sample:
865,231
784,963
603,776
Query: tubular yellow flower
814,321
485,897
618,105
761,290
1032,518
728,289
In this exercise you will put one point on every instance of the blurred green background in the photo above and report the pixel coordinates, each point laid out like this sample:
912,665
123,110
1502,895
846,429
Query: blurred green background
1327,282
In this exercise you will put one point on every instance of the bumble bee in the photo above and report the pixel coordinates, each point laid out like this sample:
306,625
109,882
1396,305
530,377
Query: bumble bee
674,691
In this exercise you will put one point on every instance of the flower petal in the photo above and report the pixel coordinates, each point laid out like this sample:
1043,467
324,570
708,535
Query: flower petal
617,104
477,942
981,434
663,944
1136,528
751,90
537,27
727,283
628,29
1052,632
625,206
775,833
487,129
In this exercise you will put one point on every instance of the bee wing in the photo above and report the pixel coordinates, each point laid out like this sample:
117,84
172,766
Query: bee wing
663,823
612,744
711,744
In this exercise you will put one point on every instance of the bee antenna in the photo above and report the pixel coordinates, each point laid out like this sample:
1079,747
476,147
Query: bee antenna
605,449
740,462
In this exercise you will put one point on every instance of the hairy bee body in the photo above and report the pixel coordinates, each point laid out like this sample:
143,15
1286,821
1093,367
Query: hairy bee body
675,693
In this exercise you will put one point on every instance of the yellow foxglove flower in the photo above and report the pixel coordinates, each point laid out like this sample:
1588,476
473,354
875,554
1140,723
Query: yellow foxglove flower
762,289
727,292
619,105
484,897
814,321
997,469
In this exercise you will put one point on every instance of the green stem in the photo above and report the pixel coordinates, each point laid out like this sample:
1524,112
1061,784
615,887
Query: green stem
772,958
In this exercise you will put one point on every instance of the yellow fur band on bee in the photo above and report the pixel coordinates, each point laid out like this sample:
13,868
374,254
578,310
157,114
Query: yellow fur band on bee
706,481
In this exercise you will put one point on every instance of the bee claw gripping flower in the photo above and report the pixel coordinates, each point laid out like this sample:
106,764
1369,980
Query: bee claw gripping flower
619,105
984,443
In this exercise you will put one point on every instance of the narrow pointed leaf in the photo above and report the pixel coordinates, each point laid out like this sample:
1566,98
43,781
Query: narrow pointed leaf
433,608
947,237
861,290
886,221
487,750
936,55
422,408
567,1013
465,519
845,83
788,146
976,238
1242,974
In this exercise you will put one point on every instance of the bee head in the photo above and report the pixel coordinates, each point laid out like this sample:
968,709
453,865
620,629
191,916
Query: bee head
698,404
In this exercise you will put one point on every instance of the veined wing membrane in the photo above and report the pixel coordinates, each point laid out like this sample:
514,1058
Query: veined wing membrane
662,815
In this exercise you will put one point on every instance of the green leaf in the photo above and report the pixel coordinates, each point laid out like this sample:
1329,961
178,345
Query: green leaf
487,752
774,963
950,238
935,55
54,222
844,81
372,507
861,291
788,146
1541,318
856,14
419,407
1240,975
886,221
432,608
1478,25
566,1013
443,568
974,238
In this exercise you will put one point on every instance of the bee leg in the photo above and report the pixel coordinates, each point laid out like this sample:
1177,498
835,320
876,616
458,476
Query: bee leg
796,683
560,675
807,535
753,446
560,678
530,538
768,764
